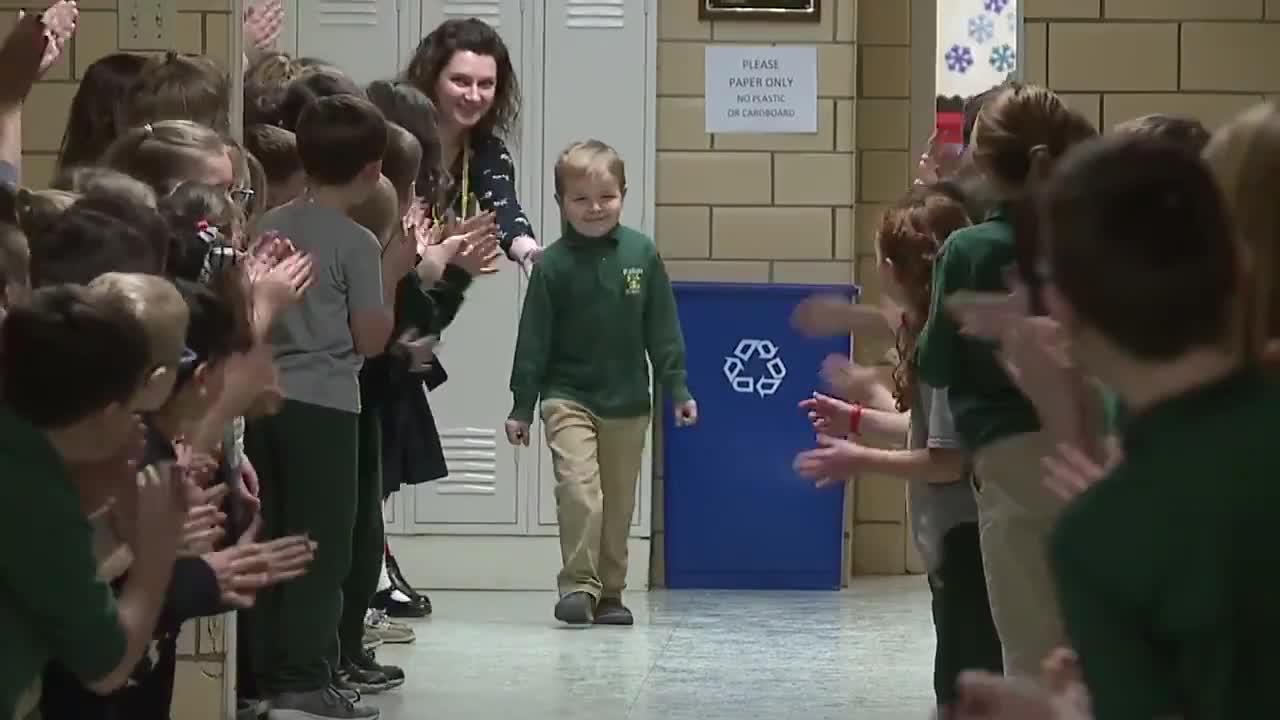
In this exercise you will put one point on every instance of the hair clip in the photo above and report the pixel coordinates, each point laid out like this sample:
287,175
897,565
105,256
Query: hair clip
207,233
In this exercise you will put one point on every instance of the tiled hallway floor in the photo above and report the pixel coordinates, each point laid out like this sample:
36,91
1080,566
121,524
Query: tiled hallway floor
862,654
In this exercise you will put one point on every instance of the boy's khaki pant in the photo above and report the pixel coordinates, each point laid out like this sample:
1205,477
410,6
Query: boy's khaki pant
596,462
1015,515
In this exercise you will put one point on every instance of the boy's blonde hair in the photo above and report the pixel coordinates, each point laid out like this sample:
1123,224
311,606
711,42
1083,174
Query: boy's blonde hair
588,157
1244,156
380,212
158,306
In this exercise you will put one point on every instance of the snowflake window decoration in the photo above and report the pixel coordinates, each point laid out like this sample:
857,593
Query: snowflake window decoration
1003,58
959,59
982,29
995,6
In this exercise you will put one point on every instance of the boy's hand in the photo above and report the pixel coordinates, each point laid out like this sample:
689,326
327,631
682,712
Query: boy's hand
283,284
1071,472
160,509
828,415
399,255
832,461
687,414
479,256
262,24
517,432
420,350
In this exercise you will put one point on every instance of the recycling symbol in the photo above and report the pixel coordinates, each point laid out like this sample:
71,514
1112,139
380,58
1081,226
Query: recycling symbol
735,366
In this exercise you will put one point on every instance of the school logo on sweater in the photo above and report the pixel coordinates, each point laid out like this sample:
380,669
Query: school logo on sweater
631,278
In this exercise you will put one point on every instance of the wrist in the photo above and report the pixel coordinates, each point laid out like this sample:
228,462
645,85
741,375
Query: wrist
855,419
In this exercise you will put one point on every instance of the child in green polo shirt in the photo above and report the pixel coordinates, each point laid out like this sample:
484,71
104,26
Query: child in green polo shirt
598,303
1166,569
54,606
1017,137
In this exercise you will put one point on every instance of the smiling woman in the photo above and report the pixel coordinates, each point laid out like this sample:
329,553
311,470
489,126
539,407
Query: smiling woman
466,70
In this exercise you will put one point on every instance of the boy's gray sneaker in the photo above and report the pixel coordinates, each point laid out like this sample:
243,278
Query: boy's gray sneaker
576,608
324,704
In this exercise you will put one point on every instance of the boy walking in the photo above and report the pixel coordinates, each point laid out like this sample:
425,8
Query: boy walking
308,454
598,303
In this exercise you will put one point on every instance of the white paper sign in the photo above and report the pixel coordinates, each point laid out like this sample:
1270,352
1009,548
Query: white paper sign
769,89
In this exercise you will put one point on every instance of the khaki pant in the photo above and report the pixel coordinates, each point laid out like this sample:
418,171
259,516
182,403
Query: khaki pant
596,462
1015,515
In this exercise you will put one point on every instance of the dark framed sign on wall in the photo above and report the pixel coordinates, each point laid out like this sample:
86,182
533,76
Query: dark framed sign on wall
799,10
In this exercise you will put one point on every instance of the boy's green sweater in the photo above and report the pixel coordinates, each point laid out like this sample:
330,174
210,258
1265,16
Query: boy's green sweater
595,307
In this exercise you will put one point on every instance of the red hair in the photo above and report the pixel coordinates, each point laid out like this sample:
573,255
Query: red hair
910,236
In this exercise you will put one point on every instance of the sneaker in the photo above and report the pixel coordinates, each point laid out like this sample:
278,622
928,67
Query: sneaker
323,704
368,661
576,608
398,582
399,607
371,639
250,709
362,680
376,622
611,611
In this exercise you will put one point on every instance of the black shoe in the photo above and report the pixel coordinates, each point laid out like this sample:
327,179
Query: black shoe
362,680
384,601
369,662
576,608
611,611
398,582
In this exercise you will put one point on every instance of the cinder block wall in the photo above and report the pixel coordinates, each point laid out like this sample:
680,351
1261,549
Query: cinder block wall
203,27
1118,59
792,208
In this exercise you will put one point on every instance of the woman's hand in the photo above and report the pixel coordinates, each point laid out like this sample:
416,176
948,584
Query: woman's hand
830,315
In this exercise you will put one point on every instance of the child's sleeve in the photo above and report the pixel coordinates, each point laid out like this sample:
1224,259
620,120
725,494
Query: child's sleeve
663,337
362,270
939,341
57,590
533,346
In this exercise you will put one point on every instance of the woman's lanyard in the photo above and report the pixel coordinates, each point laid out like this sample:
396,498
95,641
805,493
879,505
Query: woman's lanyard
466,186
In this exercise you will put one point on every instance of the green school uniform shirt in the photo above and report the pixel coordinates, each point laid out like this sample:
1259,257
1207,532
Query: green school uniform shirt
595,307
53,606
1167,570
984,401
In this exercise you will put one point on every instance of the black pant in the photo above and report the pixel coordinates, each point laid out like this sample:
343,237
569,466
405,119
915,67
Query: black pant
307,458
367,541
966,635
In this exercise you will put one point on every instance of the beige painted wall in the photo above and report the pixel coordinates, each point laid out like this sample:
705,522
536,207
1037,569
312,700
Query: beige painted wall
203,27
1119,59
792,208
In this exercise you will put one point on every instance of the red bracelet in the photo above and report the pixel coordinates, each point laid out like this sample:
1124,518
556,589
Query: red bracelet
855,419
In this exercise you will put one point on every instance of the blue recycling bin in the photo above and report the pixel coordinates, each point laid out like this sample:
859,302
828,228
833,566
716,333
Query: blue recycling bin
736,516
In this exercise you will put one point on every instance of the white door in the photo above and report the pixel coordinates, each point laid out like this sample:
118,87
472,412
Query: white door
605,100
483,493
360,36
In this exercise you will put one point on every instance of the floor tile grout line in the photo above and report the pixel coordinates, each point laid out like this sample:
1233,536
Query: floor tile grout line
654,666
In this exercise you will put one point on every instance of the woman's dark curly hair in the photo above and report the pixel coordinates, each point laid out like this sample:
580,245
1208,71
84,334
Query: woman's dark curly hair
469,35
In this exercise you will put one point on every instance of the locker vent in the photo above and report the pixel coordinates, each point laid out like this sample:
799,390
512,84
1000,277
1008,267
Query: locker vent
584,14
472,457
489,11
349,12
